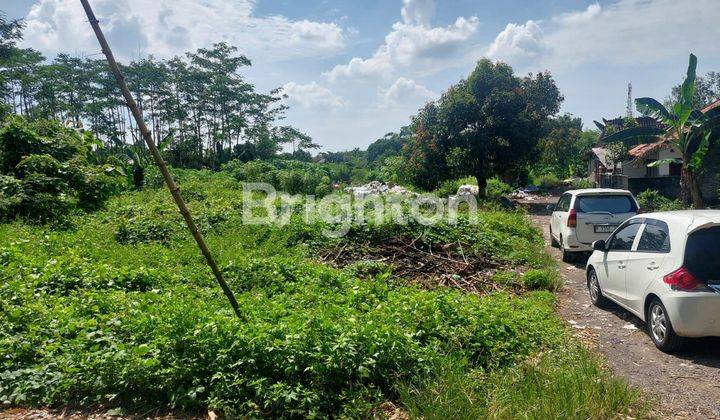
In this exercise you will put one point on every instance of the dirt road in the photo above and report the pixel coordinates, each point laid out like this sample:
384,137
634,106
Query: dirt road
686,385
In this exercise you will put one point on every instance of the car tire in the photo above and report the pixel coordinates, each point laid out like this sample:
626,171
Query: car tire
660,328
594,290
567,257
553,242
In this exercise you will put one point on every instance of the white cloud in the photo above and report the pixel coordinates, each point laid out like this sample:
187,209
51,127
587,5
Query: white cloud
628,32
405,91
312,95
418,11
169,27
635,32
518,41
412,42
592,11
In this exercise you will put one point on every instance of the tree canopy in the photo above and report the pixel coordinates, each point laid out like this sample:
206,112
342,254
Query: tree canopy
486,125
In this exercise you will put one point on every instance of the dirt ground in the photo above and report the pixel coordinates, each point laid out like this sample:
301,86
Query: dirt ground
685,385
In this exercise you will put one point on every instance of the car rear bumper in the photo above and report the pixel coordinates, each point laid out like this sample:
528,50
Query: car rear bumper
694,314
572,244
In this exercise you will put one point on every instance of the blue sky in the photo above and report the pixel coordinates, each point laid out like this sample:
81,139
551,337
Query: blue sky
355,70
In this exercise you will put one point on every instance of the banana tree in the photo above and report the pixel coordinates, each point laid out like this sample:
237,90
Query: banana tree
686,128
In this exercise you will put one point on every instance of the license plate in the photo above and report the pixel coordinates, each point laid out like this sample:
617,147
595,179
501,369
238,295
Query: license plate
605,228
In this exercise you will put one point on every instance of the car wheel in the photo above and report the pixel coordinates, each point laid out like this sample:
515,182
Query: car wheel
660,328
567,257
593,284
553,242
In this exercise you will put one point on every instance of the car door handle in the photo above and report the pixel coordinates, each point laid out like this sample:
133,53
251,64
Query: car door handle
621,266
652,267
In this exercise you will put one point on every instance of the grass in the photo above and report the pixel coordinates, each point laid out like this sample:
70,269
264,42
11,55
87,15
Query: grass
119,310
568,382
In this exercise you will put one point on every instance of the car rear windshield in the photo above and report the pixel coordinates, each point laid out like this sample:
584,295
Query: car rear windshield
702,254
614,204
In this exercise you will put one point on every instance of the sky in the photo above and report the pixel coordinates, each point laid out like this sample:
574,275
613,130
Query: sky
355,70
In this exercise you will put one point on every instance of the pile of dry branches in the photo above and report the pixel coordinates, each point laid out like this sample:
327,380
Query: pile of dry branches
452,265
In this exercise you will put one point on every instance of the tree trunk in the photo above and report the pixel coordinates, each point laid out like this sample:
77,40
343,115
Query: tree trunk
690,183
695,192
482,185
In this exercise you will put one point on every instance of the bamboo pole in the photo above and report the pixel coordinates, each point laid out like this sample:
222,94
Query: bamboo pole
147,136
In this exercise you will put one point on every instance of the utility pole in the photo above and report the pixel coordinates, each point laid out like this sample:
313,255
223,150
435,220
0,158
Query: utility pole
147,136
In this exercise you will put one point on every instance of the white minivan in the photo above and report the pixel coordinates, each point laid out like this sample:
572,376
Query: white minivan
582,217
664,268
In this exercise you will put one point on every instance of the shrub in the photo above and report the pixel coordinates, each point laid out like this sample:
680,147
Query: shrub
496,188
292,177
547,181
581,183
652,200
53,174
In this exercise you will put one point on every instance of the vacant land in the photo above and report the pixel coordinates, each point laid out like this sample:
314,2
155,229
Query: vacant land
117,311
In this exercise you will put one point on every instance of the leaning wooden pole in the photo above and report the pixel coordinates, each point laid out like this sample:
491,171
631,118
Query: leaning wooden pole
174,190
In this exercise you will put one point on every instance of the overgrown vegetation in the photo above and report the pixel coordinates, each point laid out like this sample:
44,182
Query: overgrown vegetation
121,311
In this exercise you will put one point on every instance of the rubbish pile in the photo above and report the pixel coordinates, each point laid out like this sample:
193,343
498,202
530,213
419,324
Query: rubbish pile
527,193
376,188
468,190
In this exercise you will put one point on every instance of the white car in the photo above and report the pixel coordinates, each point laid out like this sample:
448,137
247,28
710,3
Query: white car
582,217
665,269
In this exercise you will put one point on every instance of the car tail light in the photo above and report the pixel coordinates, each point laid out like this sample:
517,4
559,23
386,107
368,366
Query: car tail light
572,219
682,279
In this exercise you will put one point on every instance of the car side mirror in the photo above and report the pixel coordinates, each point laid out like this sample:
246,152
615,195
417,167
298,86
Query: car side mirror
599,245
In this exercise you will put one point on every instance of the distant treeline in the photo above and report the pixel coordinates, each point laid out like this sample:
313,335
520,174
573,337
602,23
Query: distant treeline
199,108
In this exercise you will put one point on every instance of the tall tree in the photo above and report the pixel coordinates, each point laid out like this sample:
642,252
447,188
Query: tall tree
564,145
484,126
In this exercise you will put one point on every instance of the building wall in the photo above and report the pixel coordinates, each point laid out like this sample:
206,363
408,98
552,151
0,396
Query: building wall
632,170
639,170
667,153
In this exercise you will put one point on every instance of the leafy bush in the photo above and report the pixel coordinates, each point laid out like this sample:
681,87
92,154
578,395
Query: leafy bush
652,200
144,230
547,181
294,177
496,188
51,171
581,183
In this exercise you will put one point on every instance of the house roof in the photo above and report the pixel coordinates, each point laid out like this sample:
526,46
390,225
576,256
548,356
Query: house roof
711,105
642,150
601,155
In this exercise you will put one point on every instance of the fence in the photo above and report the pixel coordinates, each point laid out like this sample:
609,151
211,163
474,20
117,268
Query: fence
668,186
